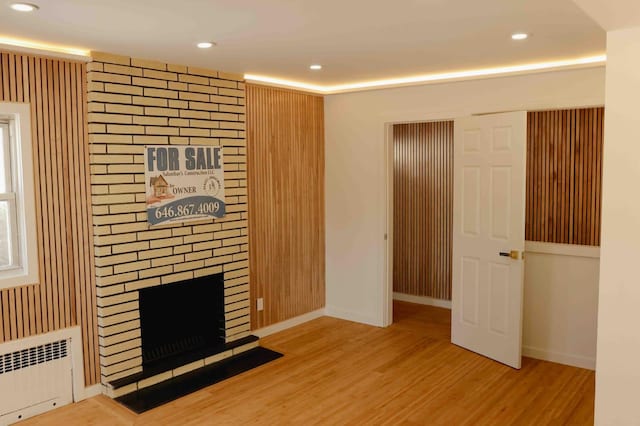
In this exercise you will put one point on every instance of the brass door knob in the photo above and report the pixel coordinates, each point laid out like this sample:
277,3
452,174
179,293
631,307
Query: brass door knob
514,254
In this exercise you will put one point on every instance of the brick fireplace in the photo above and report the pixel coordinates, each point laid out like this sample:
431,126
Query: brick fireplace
133,103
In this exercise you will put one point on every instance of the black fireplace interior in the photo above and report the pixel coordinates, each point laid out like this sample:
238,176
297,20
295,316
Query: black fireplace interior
182,318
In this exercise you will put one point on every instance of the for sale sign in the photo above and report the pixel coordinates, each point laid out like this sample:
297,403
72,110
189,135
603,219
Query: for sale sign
184,183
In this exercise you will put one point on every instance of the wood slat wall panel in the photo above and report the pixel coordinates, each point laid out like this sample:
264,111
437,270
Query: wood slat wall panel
65,296
423,208
564,176
285,163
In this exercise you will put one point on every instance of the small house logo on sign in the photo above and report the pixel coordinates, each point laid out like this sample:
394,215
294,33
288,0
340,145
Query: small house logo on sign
160,188
184,183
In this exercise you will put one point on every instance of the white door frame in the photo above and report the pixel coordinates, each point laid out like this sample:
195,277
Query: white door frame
387,299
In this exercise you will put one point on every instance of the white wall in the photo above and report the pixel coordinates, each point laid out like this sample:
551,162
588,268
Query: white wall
618,364
561,303
356,158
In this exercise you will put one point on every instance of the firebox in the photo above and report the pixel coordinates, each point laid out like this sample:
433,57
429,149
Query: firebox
185,318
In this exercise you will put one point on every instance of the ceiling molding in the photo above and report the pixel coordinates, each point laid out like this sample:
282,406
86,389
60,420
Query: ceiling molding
436,78
34,47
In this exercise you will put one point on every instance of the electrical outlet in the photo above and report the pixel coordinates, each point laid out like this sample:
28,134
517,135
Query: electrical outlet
260,304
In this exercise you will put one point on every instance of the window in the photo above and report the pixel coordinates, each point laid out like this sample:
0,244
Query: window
8,238
18,245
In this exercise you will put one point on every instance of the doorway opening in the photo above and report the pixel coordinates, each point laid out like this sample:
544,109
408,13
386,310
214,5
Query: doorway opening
422,206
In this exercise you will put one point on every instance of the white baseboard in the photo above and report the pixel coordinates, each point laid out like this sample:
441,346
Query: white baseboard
422,300
352,316
292,322
91,391
560,358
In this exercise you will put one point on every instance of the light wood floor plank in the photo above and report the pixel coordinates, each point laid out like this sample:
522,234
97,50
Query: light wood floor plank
337,372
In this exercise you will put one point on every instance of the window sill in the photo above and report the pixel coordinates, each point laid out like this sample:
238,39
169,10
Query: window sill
17,277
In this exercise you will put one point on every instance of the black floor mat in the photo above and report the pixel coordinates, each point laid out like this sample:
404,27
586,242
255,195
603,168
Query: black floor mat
169,390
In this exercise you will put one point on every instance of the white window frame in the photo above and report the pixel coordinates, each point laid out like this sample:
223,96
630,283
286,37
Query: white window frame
25,268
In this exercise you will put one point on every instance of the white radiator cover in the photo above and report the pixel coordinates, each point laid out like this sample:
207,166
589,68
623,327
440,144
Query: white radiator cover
40,373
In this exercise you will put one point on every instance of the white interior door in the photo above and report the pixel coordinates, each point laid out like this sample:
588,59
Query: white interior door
488,235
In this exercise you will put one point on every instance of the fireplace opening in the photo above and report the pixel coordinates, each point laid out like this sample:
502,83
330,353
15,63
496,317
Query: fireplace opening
182,318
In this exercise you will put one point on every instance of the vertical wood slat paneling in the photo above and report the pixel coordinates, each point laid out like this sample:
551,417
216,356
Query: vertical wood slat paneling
285,162
65,296
564,176
423,208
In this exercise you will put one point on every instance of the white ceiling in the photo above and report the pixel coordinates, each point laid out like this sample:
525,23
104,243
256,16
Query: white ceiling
354,40
612,14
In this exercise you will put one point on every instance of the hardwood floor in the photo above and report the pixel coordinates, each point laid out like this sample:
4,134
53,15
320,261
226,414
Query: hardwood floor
341,373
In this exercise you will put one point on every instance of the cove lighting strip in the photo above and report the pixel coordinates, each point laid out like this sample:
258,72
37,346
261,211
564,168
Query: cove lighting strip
26,44
429,78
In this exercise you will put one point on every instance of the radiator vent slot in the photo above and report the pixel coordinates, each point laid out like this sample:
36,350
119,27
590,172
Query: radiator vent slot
33,356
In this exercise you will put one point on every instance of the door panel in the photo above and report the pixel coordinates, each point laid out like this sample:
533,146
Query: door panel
500,202
471,201
489,194
499,298
470,281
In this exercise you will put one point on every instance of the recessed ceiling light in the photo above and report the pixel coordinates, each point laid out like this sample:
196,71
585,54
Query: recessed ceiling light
205,45
316,67
519,36
24,7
